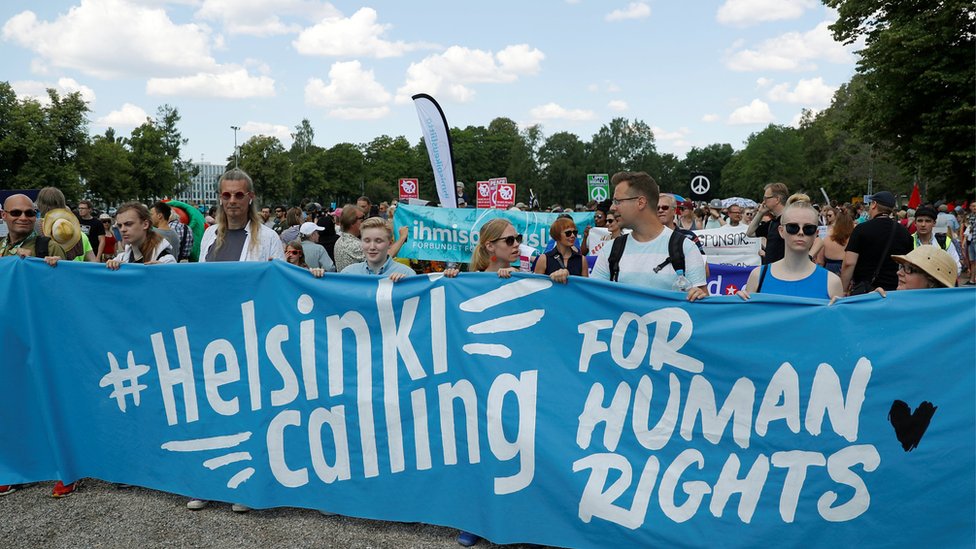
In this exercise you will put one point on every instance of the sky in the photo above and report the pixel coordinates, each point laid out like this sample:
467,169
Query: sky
697,72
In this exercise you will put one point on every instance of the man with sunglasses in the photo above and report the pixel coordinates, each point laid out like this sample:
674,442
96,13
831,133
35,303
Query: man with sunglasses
646,257
19,215
238,234
773,202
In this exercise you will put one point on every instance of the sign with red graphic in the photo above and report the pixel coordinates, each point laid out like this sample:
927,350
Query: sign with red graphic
504,196
484,194
409,188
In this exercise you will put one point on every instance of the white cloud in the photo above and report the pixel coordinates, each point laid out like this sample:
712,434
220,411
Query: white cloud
634,10
710,118
617,105
38,90
356,36
791,51
756,112
763,82
352,93
445,75
607,86
749,12
282,132
128,116
677,136
234,83
552,111
263,18
113,38
808,93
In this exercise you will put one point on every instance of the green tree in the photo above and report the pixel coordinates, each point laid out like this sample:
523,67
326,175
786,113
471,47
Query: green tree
107,168
771,155
344,172
919,89
152,168
302,138
167,118
623,145
386,160
265,160
562,170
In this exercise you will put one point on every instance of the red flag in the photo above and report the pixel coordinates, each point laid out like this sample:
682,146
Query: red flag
916,198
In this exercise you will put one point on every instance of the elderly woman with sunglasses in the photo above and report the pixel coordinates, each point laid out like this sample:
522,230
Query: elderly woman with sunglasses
563,259
796,274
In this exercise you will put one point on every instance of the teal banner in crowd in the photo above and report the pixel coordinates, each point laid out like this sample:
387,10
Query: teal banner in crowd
450,234
589,414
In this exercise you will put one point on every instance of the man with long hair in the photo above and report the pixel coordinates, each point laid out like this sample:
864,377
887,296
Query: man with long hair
239,234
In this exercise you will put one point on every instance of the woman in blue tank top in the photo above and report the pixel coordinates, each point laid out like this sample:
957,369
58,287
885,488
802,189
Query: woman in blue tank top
796,274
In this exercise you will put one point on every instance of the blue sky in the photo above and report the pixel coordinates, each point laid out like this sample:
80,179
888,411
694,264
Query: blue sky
697,72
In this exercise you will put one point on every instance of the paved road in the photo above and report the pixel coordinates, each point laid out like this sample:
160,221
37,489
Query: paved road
100,515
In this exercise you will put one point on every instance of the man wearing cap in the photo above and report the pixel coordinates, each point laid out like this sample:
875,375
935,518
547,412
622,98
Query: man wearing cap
773,202
315,256
925,217
867,259
715,219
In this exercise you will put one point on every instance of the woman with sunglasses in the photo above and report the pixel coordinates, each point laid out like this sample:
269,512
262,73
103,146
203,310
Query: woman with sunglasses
563,259
796,274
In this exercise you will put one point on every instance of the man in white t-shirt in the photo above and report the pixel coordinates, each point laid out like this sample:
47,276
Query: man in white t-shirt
645,260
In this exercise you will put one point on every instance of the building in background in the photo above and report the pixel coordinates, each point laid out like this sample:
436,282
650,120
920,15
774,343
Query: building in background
203,186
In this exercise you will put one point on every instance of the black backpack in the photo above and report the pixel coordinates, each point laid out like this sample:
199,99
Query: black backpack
676,254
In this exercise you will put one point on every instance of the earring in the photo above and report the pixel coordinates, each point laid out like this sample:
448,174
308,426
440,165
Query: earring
494,259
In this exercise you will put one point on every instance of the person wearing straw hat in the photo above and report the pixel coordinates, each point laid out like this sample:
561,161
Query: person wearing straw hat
925,267
54,214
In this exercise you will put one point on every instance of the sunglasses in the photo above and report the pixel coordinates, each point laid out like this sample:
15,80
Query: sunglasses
292,252
568,232
794,228
611,220
510,240
238,195
663,207
25,213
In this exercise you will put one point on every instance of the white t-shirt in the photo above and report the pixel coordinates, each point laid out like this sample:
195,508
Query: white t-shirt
640,258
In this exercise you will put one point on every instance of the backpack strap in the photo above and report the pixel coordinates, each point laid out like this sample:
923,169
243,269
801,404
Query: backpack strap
943,241
762,276
676,250
616,252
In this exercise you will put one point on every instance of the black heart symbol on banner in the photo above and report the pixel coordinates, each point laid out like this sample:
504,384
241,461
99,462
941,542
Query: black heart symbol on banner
910,426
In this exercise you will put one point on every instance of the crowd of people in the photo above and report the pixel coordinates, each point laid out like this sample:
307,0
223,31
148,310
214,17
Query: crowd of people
651,242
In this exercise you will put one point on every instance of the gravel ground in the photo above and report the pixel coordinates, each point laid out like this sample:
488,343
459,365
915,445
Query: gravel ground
100,515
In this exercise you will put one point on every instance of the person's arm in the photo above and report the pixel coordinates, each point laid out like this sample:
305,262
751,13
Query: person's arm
101,247
817,249
584,246
751,283
395,247
821,257
835,288
756,221
540,264
847,270
716,215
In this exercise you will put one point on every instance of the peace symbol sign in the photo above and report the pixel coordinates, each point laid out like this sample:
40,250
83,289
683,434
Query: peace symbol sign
700,184
599,194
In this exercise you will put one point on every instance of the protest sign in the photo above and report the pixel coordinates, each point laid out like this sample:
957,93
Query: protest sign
589,414
483,196
409,188
445,234
729,245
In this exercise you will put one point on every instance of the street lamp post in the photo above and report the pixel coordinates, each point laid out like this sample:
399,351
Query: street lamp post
236,157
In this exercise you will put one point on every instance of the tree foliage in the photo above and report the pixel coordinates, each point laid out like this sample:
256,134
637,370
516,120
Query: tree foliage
918,87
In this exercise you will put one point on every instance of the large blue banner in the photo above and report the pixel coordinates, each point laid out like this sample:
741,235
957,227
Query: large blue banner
580,415
450,234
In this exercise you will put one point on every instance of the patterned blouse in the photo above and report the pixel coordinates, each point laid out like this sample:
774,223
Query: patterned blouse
348,250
